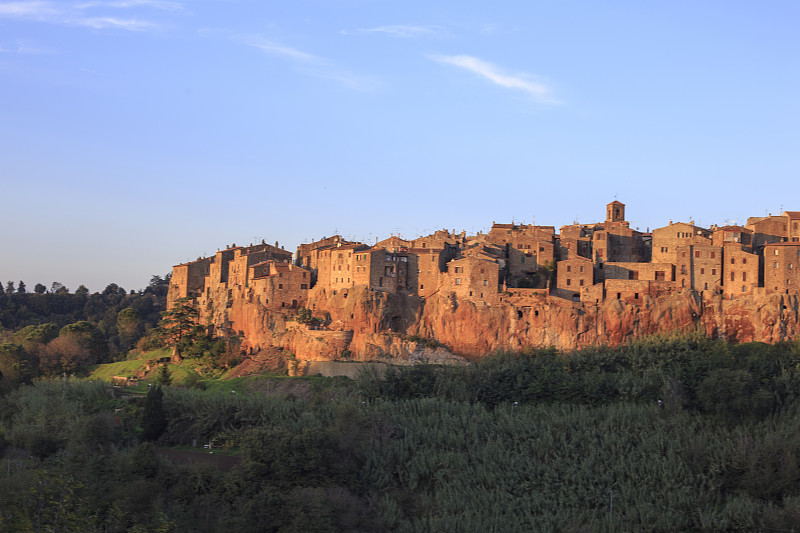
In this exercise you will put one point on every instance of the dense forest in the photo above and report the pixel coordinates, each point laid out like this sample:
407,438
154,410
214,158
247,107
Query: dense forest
672,433
52,331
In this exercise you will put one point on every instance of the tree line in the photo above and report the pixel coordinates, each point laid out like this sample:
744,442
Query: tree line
47,332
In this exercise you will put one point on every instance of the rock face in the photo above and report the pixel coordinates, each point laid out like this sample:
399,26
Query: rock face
365,325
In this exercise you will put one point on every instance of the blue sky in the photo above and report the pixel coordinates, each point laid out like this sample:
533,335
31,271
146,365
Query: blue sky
137,134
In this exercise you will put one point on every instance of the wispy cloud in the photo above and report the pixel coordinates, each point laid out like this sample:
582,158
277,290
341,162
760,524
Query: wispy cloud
406,32
522,82
310,64
272,48
114,22
28,9
93,14
165,5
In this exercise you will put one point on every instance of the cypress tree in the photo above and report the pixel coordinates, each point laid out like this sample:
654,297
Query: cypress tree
154,422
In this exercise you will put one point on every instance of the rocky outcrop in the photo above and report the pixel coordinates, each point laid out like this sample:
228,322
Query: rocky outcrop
364,325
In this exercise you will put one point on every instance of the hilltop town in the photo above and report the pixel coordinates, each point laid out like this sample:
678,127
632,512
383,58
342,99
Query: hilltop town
585,277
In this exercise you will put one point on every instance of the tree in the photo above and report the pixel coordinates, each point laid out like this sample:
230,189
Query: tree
82,290
164,378
59,288
154,421
21,287
179,328
129,326
9,287
77,344
113,288
39,288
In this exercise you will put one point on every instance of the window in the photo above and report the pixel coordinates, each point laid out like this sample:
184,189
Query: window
713,255
635,295
697,254
744,289
303,286
421,287
619,295
683,254
733,261
744,260
581,283
776,251
569,268
280,285
702,270
713,271
744,276
484,283
458,281
581,268
775,264
470,293
569,282
733,276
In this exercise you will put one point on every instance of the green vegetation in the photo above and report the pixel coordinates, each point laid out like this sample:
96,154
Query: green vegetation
686,434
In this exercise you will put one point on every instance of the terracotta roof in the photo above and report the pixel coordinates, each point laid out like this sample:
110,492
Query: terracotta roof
735,228
793,214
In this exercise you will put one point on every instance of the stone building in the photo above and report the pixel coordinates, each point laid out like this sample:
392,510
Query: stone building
279,285
335,266
661,272
188,279
666,240
781,263
699,267
382,270
473,278
574,241
572,275
768,230
732,234
793,225
739,271
199,277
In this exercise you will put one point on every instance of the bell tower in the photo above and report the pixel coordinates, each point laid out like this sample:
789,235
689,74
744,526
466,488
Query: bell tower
615,212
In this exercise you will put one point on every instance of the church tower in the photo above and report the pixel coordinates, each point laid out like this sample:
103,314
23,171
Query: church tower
615,212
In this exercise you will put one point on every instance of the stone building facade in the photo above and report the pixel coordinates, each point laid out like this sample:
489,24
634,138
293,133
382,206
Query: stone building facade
593,262
781,262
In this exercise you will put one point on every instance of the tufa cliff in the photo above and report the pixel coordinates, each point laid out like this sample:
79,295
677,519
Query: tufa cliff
367,325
